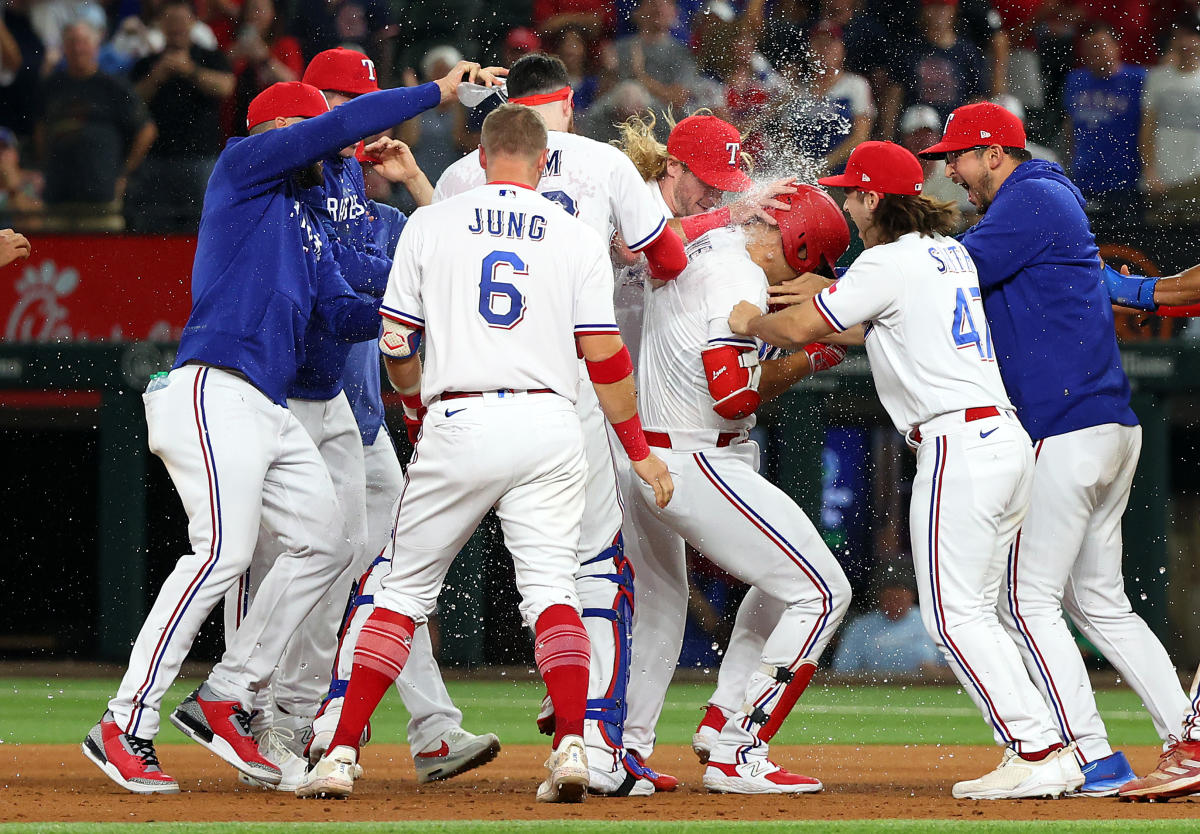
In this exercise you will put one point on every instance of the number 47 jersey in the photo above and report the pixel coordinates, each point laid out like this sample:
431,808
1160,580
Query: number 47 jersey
928,341
502,282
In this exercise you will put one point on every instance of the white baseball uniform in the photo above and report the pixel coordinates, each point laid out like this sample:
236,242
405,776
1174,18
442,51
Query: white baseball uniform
934,368
502,283
598,184
722,506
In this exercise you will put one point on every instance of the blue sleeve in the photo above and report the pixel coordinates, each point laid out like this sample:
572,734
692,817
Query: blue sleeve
268,156
1009,237
1134,291
363,270
344,313
389,223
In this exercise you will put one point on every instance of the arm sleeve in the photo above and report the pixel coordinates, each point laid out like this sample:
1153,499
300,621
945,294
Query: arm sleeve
867,291
594,314
402,298
364,272
1010,236
347,315
639,220
270,155
389,223
724,286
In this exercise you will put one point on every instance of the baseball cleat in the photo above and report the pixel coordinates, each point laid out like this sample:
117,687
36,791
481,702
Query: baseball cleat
128,760
1104,777
569,776
323,727
545,717
636,765
705,737
1018,778
224,728
756,776
453,752
1177,774
620,782
332,777
277,745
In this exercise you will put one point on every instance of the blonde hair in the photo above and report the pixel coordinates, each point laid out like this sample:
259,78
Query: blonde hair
650,156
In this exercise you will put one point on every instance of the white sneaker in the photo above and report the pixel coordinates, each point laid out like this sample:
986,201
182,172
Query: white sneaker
619,782
756,776
569,777
277,745
453,752
323,727
333,776
1017,778
703,742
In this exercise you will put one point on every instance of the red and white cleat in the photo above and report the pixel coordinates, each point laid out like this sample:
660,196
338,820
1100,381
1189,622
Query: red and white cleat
224,728
1177,774
128,760
756,776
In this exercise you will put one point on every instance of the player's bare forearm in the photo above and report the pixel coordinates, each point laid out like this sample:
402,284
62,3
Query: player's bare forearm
420,188
1183,288
778,375
618,398
855,335
790,328
404,374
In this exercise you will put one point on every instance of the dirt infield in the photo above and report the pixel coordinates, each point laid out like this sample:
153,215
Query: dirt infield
56,784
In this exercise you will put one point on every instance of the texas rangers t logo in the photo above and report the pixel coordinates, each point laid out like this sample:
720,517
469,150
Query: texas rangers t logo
733,148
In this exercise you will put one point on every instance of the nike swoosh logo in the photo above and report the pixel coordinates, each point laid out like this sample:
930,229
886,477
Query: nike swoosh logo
983,434
444,750
464,408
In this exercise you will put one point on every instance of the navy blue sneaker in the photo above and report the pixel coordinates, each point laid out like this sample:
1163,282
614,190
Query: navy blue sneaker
1104,777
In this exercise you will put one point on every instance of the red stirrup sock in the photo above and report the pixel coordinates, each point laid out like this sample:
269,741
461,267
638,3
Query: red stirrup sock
563,655
379,656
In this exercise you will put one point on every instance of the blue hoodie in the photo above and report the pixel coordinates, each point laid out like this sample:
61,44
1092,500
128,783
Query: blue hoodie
340,203
1049,313
362,378
263,265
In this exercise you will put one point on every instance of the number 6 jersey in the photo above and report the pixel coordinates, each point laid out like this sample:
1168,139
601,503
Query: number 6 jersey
927,338
502,282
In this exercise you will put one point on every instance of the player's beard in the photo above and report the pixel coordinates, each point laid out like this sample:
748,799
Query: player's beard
982,201
310,176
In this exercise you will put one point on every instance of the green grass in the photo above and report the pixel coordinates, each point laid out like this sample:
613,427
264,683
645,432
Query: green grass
61,711
597,827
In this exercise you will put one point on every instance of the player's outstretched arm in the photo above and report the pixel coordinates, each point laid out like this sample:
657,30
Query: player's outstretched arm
1178,290
396,163
790,328
778,375
611,372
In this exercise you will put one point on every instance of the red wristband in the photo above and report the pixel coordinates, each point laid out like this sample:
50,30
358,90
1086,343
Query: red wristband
613,369
413,408
632,438
698,224
1178,311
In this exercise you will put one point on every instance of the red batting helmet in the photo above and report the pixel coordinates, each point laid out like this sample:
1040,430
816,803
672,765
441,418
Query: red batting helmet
815,224
343,71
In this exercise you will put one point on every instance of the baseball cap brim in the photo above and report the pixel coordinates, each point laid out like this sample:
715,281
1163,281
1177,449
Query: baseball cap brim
840,181
729,180
944,147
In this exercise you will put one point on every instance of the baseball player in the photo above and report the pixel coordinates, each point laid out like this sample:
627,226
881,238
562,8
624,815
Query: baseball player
1178,770
237,456
1057,353
700,385
500,359
317,399
598,184
916,293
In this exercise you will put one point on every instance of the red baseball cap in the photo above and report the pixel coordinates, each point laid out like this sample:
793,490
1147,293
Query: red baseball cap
978,125
343,71
880,166
286,99
712,149
814,223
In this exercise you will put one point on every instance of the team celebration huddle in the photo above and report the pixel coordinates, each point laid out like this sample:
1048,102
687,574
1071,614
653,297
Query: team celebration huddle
581,334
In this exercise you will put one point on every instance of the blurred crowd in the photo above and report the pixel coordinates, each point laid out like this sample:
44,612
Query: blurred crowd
113,111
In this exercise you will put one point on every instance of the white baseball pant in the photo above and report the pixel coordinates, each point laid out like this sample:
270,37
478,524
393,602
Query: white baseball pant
522,454
302,677
756,533
969,497
1068,554
238,461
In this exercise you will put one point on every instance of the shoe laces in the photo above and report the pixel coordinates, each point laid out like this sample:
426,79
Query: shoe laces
277,742
242,717
144,749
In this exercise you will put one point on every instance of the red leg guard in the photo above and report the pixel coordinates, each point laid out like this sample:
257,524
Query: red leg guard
379,656
787,699
563,655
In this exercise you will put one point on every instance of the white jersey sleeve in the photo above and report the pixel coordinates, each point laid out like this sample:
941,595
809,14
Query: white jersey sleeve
867,292
594,312
743,281
461,176
402,298
638,216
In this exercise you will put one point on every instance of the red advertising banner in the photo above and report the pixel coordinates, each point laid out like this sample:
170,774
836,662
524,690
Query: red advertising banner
98,288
